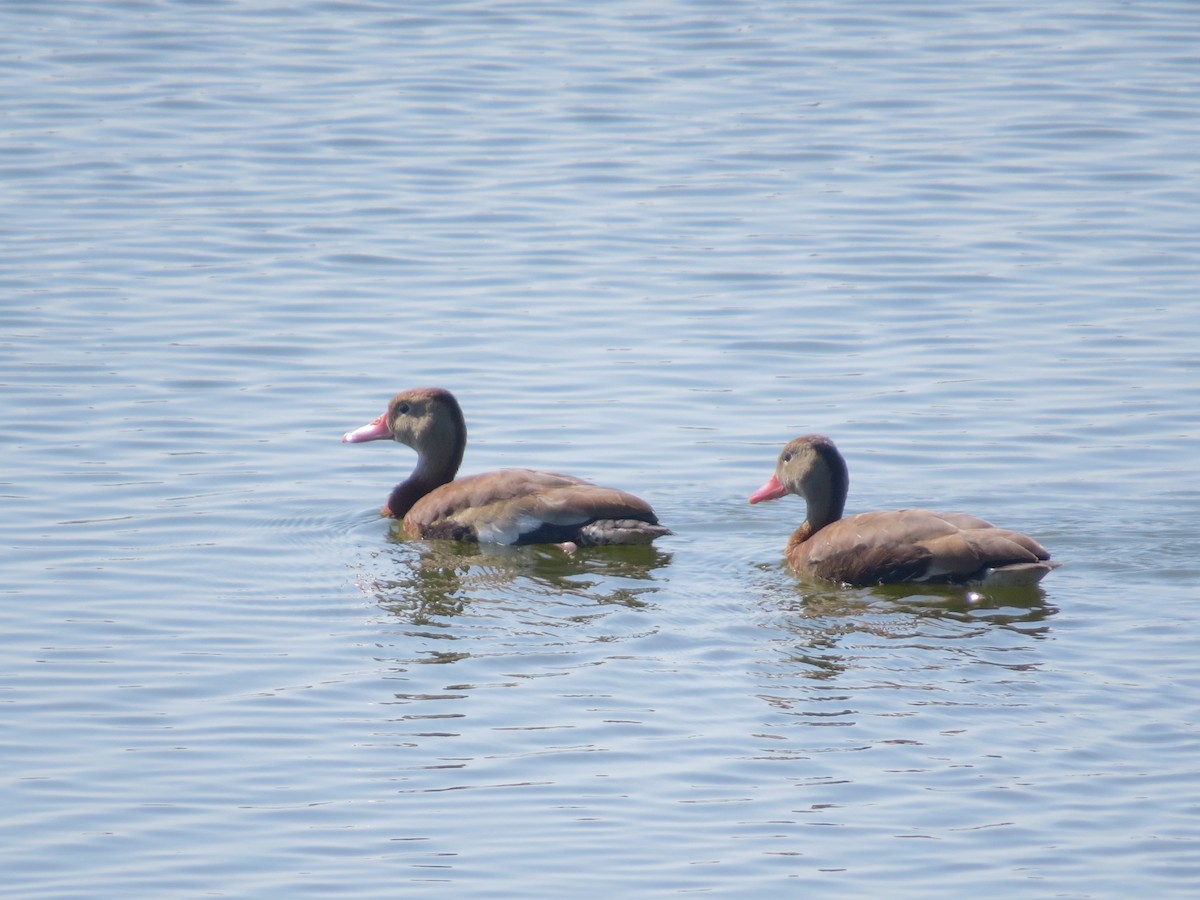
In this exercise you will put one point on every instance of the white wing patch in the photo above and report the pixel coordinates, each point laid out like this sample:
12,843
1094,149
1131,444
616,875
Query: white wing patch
509,529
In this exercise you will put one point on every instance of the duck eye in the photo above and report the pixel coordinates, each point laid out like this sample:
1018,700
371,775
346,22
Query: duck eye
787,457
403,409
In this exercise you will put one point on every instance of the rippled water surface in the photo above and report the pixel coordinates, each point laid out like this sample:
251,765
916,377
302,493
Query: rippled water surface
646,243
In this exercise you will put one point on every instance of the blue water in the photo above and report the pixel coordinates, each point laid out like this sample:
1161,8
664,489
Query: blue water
646,244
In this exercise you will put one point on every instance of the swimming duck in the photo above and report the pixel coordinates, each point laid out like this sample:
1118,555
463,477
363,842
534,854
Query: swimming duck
508,506
896,546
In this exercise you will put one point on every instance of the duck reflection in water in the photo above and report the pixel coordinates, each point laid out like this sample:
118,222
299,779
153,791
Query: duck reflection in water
831,631
435,580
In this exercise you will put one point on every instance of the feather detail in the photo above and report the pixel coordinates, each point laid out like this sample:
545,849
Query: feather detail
518,506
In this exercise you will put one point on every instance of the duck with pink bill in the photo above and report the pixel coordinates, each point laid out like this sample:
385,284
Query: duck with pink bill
507,506
896,546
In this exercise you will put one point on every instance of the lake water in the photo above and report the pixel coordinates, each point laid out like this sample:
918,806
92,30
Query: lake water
645,243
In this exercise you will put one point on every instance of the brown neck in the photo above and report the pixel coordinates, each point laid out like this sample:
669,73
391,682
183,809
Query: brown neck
825,492
826,499
825,505
440,446
799,536
407,493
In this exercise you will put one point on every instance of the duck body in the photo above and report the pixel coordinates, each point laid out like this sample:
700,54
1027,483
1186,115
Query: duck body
508,506
894,546
524,506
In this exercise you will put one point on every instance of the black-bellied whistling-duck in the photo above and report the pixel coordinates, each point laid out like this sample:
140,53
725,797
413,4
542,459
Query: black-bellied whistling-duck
890,547
508,506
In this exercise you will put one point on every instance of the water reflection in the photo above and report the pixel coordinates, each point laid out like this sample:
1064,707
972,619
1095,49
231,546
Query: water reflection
907,631
511,623
1023,608
428,583
854,669
1014,607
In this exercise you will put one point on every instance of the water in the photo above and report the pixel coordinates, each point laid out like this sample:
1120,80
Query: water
646,244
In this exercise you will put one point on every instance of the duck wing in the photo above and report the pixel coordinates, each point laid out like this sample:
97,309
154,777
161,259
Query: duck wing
918,545
524,506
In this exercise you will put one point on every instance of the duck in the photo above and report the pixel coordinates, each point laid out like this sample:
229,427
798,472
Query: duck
507,506
894,546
